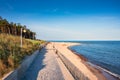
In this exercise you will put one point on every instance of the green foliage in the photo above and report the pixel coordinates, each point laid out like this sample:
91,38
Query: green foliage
11,54
15,29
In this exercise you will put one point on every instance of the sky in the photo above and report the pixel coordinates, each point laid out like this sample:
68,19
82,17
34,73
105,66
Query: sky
66,19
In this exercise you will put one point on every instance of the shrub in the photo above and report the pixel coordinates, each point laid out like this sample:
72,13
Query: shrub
11,54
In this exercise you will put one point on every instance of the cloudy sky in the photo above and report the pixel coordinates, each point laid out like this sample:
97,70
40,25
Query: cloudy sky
66,19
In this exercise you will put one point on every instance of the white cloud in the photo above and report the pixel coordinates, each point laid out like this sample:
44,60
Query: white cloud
79,29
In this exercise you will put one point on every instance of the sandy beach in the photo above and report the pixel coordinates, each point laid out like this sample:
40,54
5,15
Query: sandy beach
57,62
89,71
47,66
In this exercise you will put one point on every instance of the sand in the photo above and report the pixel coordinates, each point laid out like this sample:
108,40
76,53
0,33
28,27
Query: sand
47,66
89,71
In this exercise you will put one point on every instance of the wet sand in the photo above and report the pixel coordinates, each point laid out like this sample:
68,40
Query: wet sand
93,67
92,71
49,66
79,61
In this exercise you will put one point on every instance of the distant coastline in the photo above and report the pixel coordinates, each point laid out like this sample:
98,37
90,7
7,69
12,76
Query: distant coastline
108,74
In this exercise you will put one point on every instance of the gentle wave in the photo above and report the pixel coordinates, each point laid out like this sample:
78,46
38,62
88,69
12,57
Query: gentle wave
104,54
105,70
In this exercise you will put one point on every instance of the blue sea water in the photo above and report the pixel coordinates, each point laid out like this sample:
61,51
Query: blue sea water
102,53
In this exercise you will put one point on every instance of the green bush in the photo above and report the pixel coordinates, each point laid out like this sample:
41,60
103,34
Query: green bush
11,54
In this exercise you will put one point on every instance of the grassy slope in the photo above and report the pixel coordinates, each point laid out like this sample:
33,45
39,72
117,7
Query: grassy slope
11,54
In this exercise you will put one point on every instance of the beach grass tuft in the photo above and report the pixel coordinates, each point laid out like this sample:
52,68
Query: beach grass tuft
11,54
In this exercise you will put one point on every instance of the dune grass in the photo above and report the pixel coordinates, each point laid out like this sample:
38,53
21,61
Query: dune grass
11,54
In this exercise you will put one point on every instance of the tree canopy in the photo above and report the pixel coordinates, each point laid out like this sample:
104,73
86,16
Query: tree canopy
15,29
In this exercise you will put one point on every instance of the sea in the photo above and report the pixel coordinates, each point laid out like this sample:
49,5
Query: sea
105,54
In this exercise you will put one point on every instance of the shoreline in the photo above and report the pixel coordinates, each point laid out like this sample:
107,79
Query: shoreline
108,74
99,73
77,66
